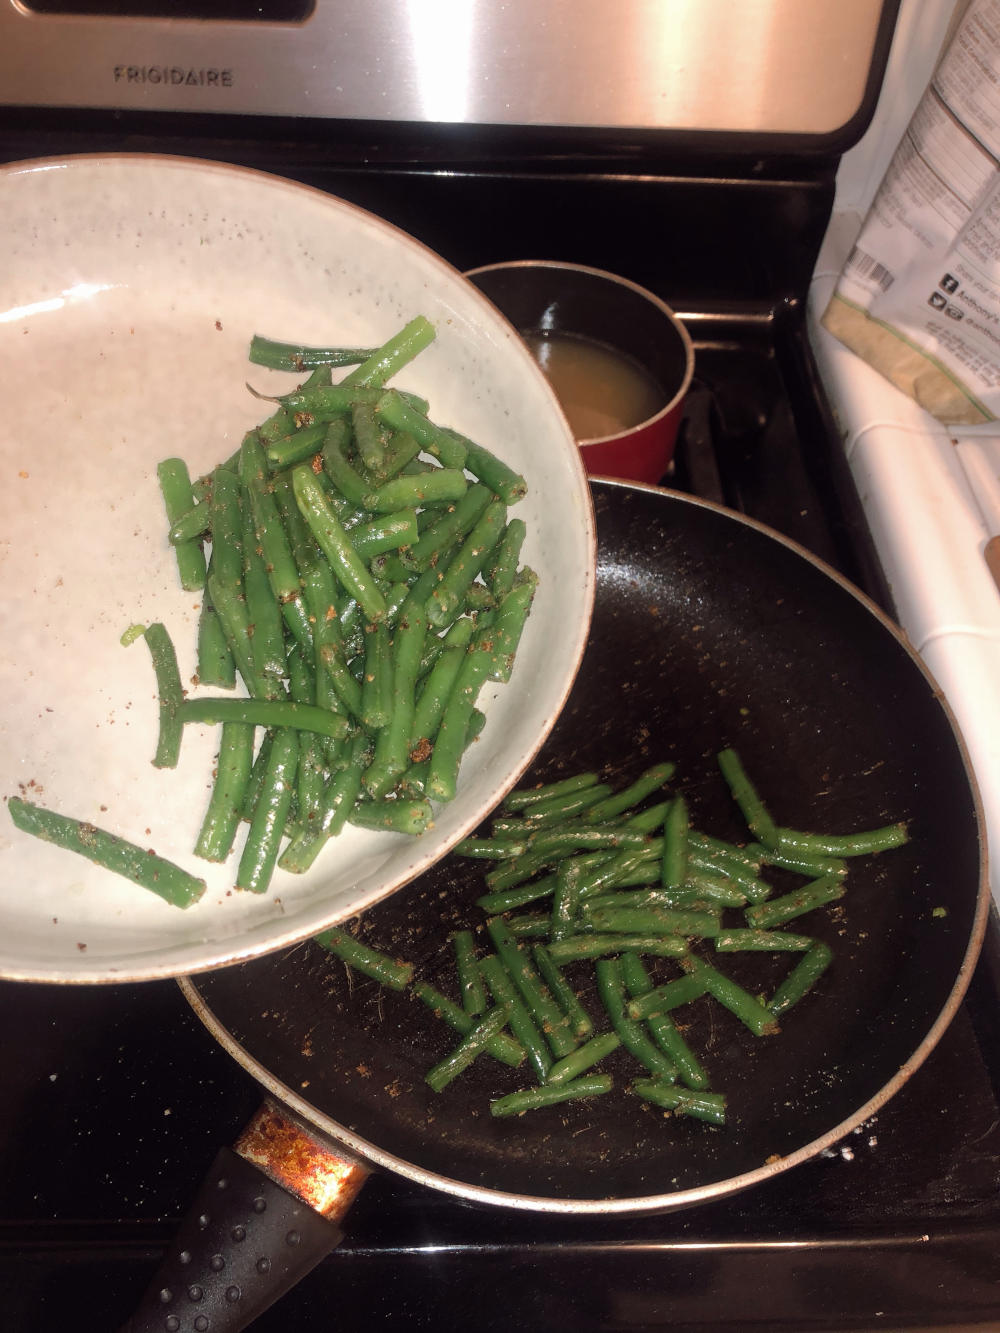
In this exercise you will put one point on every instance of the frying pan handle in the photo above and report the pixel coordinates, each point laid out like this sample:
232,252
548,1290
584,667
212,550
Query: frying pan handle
244,1242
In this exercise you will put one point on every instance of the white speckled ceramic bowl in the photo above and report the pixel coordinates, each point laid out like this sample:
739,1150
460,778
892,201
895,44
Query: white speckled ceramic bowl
128,295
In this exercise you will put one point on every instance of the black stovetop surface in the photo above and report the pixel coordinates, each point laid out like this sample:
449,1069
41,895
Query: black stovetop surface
114,1100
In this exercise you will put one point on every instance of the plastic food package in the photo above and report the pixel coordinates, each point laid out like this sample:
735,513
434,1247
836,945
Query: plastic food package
919,295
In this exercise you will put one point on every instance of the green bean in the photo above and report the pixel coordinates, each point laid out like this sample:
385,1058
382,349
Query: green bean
530,925
470,981
803,863
264,713
565,900
751,1013
674,866
192,524
292,356
301,444
671,995
390,532
351,485
348,690
171,695
717,888
326,402
267,827
411,491
577,1062
649,820
503,565
340,795
802,978
296,617
580,1021
391,972
400,450
776,911
611,989
546,1013
653,920
368,438
178,498
600,944
304,550
446,599
502,480
864,843
754,811
450,742
469,1048
440,681
502,1046
255,783
507,900
761,941
529,796
392,816
396,352
399,414
555,809
521,1023
335,544
312,747
221,820
584,837
226,512
265,625
450,529
143,867
272,538
489,849
532,1099
376,683
215,659
710,1106
661,1026
392,748
652,780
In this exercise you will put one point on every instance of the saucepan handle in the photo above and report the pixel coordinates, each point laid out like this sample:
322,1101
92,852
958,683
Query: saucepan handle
247,1239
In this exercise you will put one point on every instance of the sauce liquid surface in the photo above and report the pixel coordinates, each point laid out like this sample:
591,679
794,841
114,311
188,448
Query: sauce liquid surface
601,391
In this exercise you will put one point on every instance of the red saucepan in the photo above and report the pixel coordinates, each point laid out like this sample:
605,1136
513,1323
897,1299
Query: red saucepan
709,631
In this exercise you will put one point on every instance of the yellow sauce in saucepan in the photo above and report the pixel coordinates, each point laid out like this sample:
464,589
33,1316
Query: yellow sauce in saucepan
601,391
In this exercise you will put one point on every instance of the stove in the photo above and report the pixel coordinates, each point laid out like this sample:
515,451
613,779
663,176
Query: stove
115,1099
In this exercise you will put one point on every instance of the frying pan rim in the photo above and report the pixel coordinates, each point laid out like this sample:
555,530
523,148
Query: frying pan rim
369,1153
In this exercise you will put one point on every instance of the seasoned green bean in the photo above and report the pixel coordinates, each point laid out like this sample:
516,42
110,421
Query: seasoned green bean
776,911
502,1046
392,816
469,1048
648,782
661,1026
611,989
138,864
546,1013
580,1021
391,972
267,827
264,713
335,544
746,796
577,1062
293,356
601,944
178,499
761,941
710,1106
222,818
865,843
522,1025
171,695
531,1099
732,996
802,978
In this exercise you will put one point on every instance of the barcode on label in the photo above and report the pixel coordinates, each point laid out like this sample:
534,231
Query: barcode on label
867,266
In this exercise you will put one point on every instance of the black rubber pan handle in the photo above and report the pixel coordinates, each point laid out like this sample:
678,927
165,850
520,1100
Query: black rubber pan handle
244,1242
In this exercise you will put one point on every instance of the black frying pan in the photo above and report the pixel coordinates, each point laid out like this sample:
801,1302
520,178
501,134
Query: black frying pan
708,631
